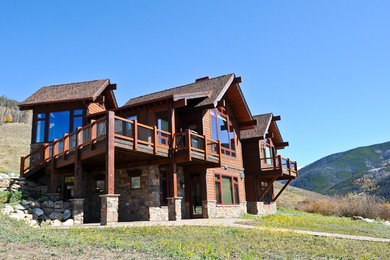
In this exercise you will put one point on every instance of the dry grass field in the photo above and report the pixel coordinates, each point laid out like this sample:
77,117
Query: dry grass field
14,142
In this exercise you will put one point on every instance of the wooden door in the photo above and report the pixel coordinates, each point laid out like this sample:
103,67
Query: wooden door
195,198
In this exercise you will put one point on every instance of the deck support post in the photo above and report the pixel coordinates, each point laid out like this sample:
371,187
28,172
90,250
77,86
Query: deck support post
78,167
53,178
110,201
267,189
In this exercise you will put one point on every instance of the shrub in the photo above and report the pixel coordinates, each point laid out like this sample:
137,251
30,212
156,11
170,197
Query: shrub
10,197
364,205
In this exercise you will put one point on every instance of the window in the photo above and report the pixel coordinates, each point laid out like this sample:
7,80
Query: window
54,125
164,186
267,152
58,124
135,182
77,119
162,124
222,129
40,130
226,189
100,184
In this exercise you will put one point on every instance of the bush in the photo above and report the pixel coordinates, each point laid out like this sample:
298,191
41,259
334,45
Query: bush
10,197
364,205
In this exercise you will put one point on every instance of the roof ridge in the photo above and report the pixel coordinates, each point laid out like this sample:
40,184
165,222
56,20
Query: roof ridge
178,87
74,83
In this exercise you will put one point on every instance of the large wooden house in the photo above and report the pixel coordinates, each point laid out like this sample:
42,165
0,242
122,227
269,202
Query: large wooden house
193,151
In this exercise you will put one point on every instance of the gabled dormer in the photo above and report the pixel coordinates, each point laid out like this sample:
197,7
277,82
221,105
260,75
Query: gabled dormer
61,109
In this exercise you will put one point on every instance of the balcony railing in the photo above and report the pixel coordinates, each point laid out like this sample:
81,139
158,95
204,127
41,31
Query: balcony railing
130,130
279,163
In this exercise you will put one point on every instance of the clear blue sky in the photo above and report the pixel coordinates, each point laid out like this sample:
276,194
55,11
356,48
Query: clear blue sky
322,65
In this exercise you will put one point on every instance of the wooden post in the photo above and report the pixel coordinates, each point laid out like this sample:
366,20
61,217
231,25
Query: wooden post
46,153
205,147
280,192
280,163
135,135
219,152
21,173
93,133
110,153
53,177
55,147
188,144
267,189
78,168
289,166
155,140
66,142
172,164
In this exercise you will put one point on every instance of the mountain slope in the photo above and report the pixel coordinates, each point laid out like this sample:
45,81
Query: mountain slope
364,169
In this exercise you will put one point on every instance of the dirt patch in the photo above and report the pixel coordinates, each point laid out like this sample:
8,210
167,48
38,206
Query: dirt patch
37,251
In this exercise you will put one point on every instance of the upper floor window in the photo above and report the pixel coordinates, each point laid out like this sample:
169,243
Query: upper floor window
54,125
267,152
222,129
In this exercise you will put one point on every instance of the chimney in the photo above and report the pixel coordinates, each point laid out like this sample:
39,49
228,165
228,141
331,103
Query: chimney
204,78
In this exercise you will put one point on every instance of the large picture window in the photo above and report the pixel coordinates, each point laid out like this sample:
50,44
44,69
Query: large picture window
226,189
54,125
222,129
267,152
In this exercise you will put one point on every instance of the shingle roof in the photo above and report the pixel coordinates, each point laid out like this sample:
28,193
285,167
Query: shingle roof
67,92
214,86
260,129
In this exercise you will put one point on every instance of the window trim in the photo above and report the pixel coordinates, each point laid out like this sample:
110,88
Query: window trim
267,143
222,112
232,177
131,182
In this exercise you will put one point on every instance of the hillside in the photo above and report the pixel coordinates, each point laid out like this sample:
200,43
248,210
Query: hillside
15,134
364,169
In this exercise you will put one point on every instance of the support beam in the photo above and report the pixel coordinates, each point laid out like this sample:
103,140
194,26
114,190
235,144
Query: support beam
53,177
281,145
110,153
247,124
172,163
267,189
78,168
276,118
237,80
280,192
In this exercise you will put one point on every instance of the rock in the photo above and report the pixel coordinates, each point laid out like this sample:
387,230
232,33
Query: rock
28,216
25,206
48,211
357,218
37,212
19,207
56,223
56,216
369,220
34,204
59,204
67,214
47,222
59,210
67,205
7,209
387,223
34,224
19,215
4,183
47,204
69,222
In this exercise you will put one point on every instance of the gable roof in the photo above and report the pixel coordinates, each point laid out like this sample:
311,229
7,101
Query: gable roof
80,91
260,129
215,87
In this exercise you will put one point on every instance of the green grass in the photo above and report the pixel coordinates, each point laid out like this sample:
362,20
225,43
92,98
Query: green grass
195,242
293,219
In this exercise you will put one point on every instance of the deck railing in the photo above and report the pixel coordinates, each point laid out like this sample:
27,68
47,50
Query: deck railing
189,142
83,136
125,129
279,163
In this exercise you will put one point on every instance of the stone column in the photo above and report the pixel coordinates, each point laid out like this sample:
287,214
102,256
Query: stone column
259,208
77,211
109,209
174,208
209,208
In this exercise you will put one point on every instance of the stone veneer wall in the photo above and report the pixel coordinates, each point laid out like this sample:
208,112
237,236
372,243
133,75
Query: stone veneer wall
259,208
144,204
212,210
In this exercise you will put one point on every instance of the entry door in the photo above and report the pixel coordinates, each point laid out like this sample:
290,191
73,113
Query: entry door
195,196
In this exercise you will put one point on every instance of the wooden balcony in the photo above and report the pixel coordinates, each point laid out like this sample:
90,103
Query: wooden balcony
278,166
135,145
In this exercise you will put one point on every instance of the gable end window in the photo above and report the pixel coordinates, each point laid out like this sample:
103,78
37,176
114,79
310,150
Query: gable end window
222,129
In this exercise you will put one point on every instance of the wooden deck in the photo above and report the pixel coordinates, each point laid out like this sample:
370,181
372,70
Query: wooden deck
279,167
135,145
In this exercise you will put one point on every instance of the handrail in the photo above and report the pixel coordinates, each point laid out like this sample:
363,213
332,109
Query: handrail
279,162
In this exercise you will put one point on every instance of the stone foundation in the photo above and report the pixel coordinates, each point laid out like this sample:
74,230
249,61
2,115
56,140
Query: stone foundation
174,208
158,213
212,210
259,208
109,209
77,211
